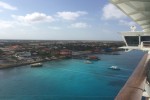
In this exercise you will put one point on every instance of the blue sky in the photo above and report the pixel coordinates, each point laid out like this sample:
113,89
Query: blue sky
62,20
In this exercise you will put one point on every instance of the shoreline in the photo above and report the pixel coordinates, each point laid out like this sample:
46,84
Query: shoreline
6,66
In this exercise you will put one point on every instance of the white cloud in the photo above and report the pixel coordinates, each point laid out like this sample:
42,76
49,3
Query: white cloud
80,25
7,6
34,18
54,27
127,23
70,15
5,24
111,12
12,24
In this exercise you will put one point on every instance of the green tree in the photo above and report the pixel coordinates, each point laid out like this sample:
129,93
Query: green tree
1,51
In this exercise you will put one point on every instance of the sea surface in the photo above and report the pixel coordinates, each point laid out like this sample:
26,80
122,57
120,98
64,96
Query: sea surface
70,79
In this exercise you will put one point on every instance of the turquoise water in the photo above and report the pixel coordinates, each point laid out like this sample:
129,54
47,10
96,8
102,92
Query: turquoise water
69,79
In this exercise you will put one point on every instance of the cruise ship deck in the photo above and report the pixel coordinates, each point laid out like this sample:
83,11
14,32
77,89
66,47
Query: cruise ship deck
137,87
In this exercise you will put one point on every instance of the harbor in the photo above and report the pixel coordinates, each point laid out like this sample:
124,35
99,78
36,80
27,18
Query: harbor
30,52
75,50
69,78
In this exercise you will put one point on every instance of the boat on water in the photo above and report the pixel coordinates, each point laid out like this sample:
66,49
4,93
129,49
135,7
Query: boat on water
36,65
95,58
88,62
114,68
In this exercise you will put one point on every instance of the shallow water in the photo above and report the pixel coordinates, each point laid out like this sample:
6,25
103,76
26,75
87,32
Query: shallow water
69,79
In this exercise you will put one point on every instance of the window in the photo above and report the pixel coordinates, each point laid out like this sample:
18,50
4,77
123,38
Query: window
145,38
132,40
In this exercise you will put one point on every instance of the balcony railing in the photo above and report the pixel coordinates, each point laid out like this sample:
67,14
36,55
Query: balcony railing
135,85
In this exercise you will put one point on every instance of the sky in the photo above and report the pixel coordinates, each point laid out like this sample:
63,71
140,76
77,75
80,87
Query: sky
62,20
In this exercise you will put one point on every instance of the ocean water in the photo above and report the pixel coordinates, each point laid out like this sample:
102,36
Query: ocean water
69,79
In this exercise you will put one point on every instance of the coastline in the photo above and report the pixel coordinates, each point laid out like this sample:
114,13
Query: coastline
5,66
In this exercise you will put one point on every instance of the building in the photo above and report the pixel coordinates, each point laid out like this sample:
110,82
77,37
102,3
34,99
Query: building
65,52
23,54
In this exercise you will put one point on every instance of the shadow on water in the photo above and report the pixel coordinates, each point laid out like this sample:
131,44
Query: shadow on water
117,83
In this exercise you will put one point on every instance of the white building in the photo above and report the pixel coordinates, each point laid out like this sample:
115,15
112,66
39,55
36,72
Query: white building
23,54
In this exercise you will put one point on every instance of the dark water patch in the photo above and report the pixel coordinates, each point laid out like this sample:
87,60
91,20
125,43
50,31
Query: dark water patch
117,83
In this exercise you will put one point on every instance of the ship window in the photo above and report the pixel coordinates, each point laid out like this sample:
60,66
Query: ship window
145,38
132,40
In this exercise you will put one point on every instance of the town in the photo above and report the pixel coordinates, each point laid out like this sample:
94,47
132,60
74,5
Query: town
23,52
